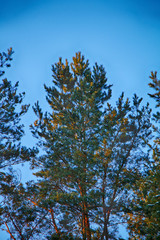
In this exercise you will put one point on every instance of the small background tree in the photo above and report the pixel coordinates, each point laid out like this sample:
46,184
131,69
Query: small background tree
144,210
13,208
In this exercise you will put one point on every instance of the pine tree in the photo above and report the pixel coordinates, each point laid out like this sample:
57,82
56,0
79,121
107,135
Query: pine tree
122,158
11,150
93,151
19,217
11,130
144,210
70,136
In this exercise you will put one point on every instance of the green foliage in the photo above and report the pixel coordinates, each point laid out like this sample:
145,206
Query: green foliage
5,58
65,237
13,210
11,130
95,167
18,215
93,151
143,212
155,85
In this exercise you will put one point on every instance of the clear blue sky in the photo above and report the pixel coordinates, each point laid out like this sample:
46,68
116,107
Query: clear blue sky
123,35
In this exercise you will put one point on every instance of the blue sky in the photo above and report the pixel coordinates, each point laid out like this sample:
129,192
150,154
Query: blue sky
122,35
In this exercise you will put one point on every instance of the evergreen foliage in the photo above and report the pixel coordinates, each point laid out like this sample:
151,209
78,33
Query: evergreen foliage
18,215
95,170
13,212
93,150
144,210
11,130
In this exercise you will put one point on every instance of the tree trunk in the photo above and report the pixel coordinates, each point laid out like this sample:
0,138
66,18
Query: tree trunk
85,218
87,226
105,227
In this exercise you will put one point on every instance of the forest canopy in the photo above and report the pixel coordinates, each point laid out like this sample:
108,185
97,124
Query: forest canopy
96,164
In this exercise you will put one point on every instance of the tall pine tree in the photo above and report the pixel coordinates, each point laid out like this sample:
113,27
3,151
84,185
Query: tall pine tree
93,151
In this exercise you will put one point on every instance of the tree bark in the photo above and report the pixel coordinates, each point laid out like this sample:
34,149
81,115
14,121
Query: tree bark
85,218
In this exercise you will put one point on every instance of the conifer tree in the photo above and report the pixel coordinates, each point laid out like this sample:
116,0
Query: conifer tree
93,151
144,210
122,158
70,136
11,150
11,130
19,217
